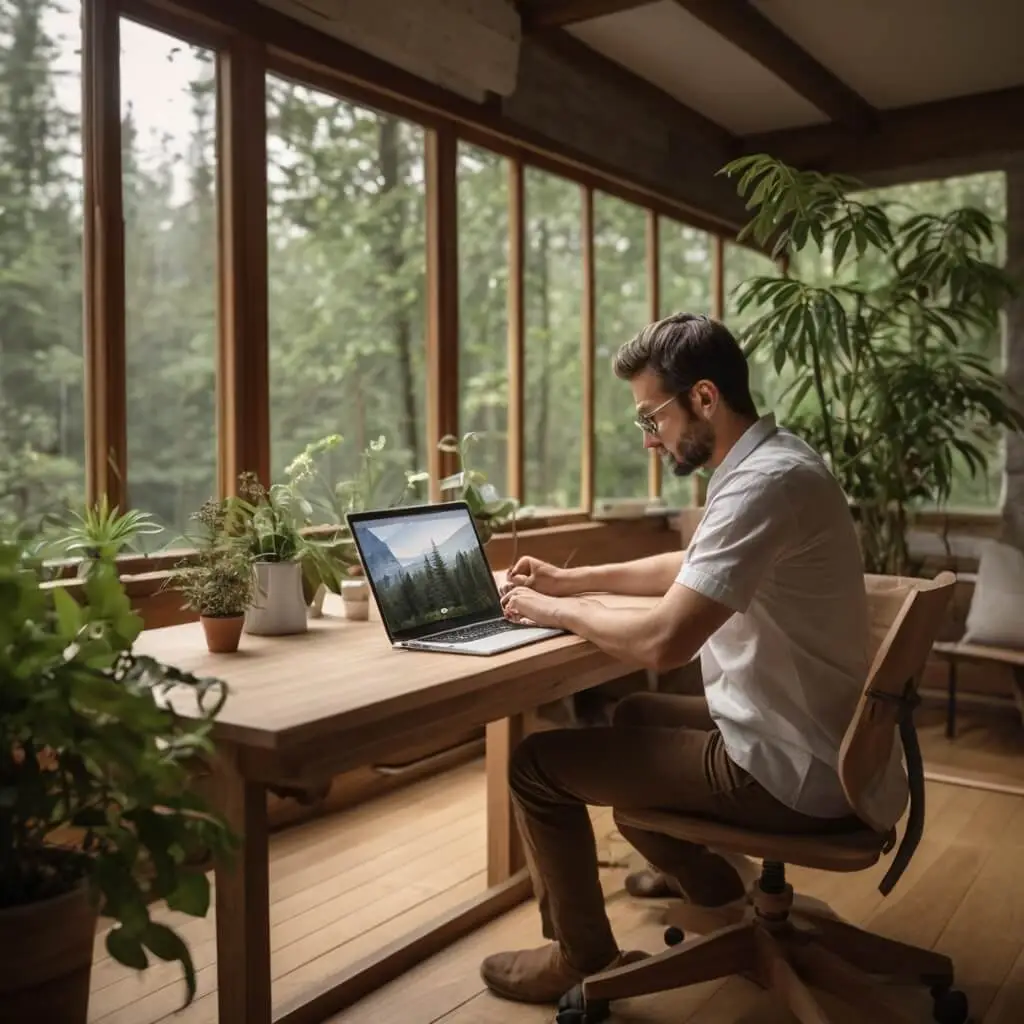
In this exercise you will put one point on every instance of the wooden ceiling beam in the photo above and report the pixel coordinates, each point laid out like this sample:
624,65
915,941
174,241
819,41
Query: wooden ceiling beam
750,31
544,14
984,128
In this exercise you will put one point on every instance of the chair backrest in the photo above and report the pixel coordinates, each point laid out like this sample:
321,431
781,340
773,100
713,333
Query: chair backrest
906,617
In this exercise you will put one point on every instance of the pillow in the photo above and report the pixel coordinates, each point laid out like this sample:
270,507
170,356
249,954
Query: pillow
996,615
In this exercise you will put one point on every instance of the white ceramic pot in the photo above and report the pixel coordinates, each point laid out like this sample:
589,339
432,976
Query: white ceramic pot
279,608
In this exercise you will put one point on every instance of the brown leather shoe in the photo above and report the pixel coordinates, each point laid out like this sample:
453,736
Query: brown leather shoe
539,975
653,885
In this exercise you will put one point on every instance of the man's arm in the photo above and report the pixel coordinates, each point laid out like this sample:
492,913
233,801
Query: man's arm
642,577
660,638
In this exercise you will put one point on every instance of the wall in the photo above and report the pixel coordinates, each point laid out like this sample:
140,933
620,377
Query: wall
1013,510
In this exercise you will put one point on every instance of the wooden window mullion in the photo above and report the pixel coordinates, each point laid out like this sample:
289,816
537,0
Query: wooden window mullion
654,313
516,329
104,272
588,345
443,305
243,379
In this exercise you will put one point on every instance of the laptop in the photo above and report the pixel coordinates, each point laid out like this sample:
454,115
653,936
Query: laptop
432,583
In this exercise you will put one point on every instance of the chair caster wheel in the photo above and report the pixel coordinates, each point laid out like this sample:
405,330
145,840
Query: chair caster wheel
673,936
574,1009
950,1006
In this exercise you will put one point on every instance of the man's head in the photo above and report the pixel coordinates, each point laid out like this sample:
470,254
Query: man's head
691,386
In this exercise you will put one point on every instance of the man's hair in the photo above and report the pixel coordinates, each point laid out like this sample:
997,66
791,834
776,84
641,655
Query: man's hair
684,348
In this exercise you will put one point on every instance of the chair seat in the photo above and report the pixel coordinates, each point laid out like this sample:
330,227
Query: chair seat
848,851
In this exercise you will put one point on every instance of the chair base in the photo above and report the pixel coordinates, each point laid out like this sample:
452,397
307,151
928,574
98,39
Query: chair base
785,944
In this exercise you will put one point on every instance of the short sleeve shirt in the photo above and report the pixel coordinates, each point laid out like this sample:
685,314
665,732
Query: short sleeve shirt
783,675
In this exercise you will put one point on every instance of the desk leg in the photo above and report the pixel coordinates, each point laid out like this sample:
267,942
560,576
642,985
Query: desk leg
243,901
504,847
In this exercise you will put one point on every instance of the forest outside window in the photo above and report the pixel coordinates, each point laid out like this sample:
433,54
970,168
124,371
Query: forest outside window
347,284
483,244
622,309
42,419
553,296
685,278
169,188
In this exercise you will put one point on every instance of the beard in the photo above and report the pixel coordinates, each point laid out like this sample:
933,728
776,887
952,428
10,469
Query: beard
694,450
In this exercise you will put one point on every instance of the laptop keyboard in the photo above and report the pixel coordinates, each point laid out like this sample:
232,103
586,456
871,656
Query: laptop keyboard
476,632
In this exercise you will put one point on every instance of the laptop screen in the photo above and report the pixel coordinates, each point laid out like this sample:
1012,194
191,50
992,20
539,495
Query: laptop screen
427,569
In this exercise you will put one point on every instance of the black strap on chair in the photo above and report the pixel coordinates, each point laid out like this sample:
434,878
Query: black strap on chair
906,703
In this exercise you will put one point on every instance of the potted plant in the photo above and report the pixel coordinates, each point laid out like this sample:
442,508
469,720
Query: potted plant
489,510
880,354
334,560
96,808
269,522
218,581
98,531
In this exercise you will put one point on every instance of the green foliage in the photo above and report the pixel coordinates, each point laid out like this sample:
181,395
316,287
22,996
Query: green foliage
95,763
99,531
218,580
879,374
489,510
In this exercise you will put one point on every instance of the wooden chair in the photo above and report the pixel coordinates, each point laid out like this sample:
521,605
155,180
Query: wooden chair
790,943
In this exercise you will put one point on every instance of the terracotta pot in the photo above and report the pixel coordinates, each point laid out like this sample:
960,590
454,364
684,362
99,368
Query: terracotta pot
222,632
47,959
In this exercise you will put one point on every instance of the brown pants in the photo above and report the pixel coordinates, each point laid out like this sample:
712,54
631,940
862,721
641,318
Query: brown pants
662,752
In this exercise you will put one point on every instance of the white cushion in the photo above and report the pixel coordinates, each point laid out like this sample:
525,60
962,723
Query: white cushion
996,616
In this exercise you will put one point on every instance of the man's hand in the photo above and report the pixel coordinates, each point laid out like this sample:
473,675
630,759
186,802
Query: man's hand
539,576
528,607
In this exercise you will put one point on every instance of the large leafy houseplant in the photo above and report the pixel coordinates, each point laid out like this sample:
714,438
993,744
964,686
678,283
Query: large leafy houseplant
490,511
95,770
882,372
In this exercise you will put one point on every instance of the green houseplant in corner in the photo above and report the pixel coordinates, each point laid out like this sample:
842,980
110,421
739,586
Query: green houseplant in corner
879,357
96,809
218,582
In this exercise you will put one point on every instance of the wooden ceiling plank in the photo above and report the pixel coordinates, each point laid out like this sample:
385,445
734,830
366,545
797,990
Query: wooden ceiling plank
750,31
983,128
545,14
575,52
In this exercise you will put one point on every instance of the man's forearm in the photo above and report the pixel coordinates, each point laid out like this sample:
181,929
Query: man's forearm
619,632
643,577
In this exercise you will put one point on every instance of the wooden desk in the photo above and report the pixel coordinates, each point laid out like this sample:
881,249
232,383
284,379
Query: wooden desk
303,708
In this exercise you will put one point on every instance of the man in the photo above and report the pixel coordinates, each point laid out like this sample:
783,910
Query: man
770,592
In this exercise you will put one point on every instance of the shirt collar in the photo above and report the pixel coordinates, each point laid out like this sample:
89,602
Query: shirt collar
751,438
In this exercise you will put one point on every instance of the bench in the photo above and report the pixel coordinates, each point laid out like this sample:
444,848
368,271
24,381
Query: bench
955,652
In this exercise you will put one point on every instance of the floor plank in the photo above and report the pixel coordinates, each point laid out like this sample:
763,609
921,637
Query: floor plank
340,888
348,884
971,842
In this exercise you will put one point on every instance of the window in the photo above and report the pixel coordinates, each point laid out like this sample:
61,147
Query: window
741,263
169,175
483,308
553,296
986,192
622,309
685,270
42,421
347,292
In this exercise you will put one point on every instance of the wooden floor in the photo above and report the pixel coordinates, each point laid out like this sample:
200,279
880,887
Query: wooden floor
345,885
988,748
341,887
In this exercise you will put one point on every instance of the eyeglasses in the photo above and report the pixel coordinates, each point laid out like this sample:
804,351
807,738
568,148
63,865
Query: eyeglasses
646,421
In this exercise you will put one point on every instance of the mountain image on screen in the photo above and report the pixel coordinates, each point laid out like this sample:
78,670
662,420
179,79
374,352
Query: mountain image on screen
426,569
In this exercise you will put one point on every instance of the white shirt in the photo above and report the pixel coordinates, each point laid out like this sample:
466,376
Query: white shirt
783,676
